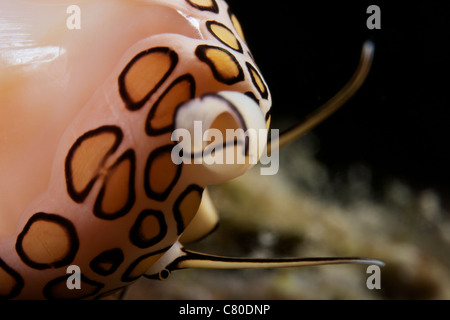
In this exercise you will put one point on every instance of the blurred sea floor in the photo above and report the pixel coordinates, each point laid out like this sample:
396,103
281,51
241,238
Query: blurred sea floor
305,211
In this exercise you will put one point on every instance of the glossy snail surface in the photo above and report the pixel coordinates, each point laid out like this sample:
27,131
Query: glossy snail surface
87,131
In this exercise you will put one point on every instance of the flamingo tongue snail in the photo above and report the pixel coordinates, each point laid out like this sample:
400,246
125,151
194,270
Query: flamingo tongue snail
86,140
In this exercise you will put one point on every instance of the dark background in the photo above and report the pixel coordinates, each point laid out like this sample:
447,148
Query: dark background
397,124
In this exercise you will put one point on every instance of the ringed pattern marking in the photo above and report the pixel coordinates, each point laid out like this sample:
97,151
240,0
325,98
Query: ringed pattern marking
161,173
204,5
160,117
117,195
186,206
223,64
224,35
86,158
11,283
257,80
144,74
149,229
101,160
47,241
107,262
